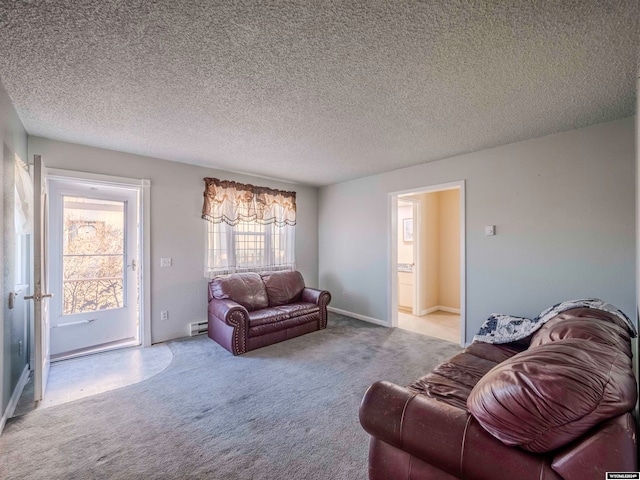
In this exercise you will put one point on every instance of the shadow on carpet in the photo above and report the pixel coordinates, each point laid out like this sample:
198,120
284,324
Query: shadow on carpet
286,411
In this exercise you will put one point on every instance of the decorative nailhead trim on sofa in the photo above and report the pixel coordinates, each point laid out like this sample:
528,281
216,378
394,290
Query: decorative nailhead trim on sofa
237,320
325,298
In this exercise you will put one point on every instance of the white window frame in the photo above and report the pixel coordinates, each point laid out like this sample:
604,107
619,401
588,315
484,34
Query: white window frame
231,236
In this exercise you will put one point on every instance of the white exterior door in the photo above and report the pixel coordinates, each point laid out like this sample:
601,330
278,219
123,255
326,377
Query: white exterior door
94,267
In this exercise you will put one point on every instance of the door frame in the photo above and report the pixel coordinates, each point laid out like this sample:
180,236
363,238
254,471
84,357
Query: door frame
392,239
415,216
143,186
125,318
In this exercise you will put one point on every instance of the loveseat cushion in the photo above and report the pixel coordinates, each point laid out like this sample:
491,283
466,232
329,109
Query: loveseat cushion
283,312
270,320
266,315
299,308
247,289
587,324
547,396
283,287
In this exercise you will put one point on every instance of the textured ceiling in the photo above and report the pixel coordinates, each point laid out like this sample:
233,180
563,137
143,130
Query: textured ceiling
315,92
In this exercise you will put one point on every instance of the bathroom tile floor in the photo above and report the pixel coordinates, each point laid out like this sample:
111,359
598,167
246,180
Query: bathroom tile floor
92,374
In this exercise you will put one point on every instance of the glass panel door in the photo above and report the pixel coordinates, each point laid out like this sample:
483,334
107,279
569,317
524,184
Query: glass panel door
94,275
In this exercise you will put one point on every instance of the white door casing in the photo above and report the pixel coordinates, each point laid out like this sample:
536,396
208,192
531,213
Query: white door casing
392,284
417,239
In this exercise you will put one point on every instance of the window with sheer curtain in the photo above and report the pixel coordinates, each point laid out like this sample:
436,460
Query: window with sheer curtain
248,228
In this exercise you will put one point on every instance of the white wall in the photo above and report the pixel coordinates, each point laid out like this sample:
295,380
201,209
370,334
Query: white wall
564,207
13,140
177,231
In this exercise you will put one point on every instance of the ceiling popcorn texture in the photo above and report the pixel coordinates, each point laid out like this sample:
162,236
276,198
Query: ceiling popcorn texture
315,92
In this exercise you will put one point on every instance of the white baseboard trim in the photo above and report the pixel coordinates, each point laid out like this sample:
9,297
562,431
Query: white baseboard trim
448,309
438,307
15,397
428,311
358,316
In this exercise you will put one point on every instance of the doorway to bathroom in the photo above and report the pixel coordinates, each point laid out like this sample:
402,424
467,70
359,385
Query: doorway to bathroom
428,261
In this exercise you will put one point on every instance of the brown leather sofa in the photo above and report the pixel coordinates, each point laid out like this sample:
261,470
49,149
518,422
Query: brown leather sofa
251,310
555,406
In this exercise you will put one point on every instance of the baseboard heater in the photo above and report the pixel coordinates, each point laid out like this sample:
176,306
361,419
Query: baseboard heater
198,328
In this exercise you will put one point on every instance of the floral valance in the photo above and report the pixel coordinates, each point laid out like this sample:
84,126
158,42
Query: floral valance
232,202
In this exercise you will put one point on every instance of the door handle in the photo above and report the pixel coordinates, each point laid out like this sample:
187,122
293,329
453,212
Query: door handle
133,265
36,297
80,322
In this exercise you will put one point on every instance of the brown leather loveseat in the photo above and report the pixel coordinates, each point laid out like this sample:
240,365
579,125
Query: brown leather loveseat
556,405
251,310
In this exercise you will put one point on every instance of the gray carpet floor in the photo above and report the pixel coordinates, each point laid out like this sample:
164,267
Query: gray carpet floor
287,411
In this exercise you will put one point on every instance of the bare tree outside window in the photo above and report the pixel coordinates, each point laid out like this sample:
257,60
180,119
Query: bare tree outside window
93,255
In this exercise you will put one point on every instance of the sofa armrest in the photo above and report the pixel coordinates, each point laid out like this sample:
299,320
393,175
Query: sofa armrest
610,447
444,436
224,308
395,415
229,325
315,296
320,298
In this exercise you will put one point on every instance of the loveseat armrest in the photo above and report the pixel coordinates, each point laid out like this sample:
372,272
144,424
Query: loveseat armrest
224,308
444,436
320,298
228,325
315,296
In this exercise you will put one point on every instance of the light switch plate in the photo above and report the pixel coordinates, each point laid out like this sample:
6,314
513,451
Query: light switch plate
165,262
490,230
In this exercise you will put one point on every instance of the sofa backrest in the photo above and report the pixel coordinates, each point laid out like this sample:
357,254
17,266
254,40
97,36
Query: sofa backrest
587,324
547,396
576,373
247,289
283,287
